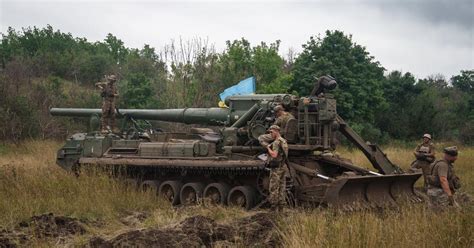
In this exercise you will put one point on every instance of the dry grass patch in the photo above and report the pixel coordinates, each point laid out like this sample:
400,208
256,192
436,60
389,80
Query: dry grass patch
410,226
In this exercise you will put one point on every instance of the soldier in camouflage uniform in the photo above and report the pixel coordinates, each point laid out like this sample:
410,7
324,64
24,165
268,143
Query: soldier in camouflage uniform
278,154
109,93
282,118
425,155
442,181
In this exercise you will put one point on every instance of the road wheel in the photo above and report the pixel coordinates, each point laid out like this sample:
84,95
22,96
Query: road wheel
263,180
150,185
242,196
131,183
216,193
170,191
191,193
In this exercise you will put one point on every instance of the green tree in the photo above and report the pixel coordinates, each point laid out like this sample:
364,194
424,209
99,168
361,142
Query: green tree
464,83
400,91
241,60
359,92
116,48
236,61
440,108
137,91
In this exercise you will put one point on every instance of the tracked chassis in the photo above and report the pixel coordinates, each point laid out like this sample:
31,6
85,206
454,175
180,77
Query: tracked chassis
223,165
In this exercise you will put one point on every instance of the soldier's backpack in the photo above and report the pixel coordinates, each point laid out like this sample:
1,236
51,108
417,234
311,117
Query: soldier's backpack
456,182
432,179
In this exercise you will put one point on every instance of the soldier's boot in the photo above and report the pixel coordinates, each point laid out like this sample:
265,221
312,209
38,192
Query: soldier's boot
105,130
103,125
112,125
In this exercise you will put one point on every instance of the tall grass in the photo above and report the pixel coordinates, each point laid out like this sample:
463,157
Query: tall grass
408,226
411,226
31,184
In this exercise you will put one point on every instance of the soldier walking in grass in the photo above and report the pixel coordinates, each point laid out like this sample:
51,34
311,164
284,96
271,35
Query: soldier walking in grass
282,118
109,93
442,181
278,155
425,155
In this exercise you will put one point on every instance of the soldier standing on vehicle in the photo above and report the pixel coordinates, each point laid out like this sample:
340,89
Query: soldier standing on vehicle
109,93
277,157
425,155
282,118
442,181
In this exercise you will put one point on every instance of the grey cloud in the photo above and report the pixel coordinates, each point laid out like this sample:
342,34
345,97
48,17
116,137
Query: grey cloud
417,36
451,12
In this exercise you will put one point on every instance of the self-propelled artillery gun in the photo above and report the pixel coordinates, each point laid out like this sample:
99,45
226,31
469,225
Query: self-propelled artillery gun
223,164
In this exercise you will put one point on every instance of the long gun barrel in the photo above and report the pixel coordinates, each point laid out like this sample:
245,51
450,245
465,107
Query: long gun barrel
206,116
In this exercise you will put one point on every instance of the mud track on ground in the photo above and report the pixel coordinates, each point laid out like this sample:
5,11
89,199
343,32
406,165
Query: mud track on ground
258,230
41,227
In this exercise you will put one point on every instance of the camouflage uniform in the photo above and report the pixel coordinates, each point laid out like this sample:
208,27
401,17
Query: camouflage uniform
277,186
281,121
435,192
109,92
425,154
438,197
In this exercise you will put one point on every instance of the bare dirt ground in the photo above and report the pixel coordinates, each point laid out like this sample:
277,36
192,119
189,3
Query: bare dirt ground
46,226
256,230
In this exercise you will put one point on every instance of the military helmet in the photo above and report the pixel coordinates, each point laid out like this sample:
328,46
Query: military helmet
451,150
112,78
427,135
278,108
274,127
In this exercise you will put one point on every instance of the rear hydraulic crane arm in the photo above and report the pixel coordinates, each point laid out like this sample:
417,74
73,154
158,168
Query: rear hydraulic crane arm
378,159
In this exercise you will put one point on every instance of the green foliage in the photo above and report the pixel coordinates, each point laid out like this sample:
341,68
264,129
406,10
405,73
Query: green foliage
429,105
359,77
280,85
137,91
236,61
267,62
116,48
400,92
21,116
89,68
240,61
464,84
43,67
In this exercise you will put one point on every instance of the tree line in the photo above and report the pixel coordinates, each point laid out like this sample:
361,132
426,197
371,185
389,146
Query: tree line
44,67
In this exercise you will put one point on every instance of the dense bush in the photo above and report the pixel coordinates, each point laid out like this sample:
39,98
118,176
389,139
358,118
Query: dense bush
40,68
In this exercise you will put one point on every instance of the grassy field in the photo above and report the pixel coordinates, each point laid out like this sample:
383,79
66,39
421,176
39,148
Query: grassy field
31,184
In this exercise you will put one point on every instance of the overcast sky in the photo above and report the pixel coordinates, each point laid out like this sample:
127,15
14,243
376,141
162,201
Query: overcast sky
419,36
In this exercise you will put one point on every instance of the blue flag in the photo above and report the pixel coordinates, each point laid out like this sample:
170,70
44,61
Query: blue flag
244,87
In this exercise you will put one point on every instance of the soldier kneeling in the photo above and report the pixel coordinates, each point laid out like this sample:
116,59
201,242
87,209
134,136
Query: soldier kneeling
442,181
